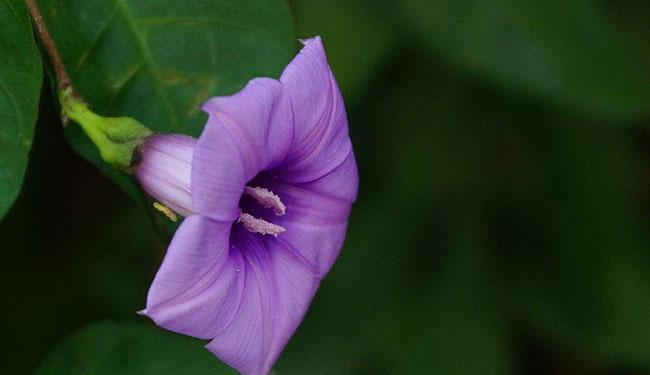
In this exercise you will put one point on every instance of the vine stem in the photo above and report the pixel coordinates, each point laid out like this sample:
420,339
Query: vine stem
62,78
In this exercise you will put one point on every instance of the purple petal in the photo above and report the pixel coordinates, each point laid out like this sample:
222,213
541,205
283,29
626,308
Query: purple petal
198,286
248,297
165,169
321,141
317,214
279,288
342,183
246,132
295,286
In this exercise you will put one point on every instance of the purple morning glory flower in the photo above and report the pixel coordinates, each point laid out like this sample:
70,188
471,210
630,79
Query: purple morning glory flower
266,191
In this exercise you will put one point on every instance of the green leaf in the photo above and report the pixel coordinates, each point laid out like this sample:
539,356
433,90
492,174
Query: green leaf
21,76
566,54
159,61
109,348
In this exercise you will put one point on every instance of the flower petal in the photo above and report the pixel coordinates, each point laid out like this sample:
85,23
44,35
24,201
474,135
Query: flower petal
164,170
295,286
246,133
279,288
342,183
321,142
318,245
198,286
314,224
317,214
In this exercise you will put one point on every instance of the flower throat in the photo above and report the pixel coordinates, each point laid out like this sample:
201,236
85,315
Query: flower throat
269,200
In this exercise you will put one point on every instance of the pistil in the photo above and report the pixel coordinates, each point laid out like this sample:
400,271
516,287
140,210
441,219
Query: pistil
261,226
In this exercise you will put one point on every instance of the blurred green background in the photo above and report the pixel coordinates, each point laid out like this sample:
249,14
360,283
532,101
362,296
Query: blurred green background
503,220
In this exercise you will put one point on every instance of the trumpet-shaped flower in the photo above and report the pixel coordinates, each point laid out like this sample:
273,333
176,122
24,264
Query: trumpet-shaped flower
266,190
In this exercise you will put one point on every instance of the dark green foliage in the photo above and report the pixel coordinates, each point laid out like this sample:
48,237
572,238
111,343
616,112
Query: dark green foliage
130,349
564,53
20,87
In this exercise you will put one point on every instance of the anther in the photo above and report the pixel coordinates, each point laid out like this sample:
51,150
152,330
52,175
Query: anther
267,199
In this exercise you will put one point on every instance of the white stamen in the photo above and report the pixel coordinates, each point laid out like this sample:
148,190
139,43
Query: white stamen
267,199
255,225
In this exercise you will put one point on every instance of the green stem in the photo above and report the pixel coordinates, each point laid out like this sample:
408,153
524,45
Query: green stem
88,120
116,138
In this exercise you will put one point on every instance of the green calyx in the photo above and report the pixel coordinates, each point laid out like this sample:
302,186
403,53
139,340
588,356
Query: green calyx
116,138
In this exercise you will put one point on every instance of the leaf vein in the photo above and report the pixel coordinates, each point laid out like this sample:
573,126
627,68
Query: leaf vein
149,21
121,84
13,10
14,104
149,63
95,42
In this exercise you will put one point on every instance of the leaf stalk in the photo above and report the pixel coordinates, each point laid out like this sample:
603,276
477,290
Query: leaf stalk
62,78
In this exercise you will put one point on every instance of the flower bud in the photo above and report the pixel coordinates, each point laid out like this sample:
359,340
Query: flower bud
116,138
163,166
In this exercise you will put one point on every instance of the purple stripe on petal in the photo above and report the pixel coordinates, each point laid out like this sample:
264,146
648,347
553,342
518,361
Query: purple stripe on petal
295,286
198,287
279,289
321,141
245,344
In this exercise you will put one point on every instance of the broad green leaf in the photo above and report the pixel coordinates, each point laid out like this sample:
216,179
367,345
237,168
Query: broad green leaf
158,61
566,54
20,86
109,348
73,251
